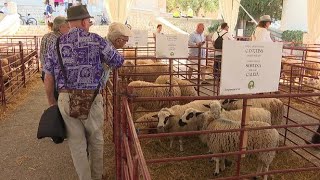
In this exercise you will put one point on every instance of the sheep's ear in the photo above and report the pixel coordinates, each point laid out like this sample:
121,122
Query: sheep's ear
170,115
155,116
225,101
232,100
207,106
198,113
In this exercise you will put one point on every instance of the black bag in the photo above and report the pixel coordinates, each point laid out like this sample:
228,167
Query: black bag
52,125
219,41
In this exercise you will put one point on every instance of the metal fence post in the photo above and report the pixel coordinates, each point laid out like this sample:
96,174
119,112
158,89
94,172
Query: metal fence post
22,64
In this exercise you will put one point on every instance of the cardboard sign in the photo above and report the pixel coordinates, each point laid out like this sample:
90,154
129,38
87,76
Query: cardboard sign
250,67
172,46
139,38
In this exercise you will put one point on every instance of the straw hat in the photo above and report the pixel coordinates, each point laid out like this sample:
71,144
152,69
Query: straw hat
266,18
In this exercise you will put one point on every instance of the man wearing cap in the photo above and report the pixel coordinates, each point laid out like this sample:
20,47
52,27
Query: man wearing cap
261,33
118,34
4,9
83,55
60,26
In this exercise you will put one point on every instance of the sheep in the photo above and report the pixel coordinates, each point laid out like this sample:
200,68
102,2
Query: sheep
146,121
229,141
147,72
275,106
132,54
186,86
168,118
295,65
5,68
315,84
147,89
256,114
311,69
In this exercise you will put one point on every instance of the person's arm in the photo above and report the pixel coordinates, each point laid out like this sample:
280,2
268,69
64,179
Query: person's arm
48,68
49,88
110,55
229,35
192,41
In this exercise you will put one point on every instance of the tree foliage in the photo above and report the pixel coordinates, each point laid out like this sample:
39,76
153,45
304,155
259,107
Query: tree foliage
258,8
196,5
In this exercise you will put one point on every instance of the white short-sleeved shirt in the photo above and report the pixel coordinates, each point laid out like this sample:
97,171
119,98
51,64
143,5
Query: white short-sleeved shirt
262,35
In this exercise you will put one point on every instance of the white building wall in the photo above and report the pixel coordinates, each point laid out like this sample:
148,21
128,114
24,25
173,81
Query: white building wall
295,15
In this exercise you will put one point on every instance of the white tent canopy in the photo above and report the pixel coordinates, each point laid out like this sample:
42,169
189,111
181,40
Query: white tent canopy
118,10
230,10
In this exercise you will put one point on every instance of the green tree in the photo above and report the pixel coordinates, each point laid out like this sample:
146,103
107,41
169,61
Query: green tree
196,5
258,8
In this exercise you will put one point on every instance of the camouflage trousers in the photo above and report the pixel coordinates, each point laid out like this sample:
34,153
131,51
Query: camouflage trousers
85,138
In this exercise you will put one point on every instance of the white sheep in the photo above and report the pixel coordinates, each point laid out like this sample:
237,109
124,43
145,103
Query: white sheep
145,72
187,88
147,121
315,84
147,89
130,54
256,114
5,68
229,141
168,118
275,106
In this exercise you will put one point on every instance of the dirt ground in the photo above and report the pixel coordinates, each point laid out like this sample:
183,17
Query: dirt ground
22,155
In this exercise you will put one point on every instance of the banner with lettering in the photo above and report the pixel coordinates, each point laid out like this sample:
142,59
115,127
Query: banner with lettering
172,46
250,67
139,38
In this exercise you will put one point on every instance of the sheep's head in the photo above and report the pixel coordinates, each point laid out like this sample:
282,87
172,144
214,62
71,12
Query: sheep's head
227,102
189,115
311,81
215,109
164,116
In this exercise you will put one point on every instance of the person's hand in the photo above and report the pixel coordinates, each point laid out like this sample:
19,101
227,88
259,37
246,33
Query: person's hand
200,43
52,104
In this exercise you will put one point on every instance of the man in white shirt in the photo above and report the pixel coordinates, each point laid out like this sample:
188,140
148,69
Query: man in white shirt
4,9
225,35
196,41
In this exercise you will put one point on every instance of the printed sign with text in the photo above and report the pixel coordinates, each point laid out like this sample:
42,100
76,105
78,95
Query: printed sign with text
172,46
139,38
250,67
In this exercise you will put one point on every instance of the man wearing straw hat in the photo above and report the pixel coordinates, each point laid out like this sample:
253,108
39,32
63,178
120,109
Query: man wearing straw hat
76,61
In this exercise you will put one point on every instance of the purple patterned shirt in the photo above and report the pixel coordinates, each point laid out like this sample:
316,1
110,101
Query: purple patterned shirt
82,54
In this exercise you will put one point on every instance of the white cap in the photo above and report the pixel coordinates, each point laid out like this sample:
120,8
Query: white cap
120,28
265,18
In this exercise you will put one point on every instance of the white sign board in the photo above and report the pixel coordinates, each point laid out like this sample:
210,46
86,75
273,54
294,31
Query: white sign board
250,67
240,32
139,38
172,46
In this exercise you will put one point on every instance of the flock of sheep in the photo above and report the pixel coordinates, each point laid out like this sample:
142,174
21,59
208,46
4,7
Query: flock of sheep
293,69
217,115
180,116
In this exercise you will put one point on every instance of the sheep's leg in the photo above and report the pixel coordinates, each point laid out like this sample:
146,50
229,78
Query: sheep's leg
266,169
216,171
259,170
223,165
171,142
181,144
